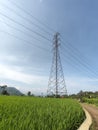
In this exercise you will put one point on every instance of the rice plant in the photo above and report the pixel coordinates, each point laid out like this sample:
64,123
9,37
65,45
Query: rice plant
28,113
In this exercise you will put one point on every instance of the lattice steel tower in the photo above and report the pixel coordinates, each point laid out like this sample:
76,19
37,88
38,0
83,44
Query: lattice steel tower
56,85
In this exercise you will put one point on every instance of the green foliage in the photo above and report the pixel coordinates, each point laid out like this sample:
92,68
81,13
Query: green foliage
91,100
28,113
29,93
84,94
4,92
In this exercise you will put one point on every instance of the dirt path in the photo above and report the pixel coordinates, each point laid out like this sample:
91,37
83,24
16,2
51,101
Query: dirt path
94,114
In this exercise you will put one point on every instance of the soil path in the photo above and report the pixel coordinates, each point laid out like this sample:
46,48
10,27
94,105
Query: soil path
93,110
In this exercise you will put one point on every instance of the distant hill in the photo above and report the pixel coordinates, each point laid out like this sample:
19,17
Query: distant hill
12,91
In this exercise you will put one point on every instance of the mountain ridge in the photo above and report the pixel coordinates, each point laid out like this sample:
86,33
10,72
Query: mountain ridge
11,90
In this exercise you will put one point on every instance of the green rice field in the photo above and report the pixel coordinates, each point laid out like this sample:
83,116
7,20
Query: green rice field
29,113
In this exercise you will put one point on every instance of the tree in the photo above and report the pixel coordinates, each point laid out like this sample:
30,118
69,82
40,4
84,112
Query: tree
3,87
29,93
4,92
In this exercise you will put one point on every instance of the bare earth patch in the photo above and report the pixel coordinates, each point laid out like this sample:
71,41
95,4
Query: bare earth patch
93,110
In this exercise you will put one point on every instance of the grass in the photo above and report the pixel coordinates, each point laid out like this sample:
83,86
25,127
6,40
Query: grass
27,113
95,102
91,101
93,126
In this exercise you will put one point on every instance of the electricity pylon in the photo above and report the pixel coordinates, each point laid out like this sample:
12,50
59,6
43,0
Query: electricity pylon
56,85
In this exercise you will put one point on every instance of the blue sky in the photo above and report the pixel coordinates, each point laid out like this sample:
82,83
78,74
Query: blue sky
26,57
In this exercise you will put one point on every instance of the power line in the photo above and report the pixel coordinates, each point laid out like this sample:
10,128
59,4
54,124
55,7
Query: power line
28,13
30,21
20,31
75,64
76,59
24,26
37,46
79,59
25,18
74,54
77,53
44,25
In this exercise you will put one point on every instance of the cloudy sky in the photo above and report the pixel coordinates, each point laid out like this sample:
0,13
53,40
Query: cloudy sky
26,35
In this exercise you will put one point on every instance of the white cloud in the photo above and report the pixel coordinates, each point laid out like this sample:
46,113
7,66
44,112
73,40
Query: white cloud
38,84
7,57
75,84
8,73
